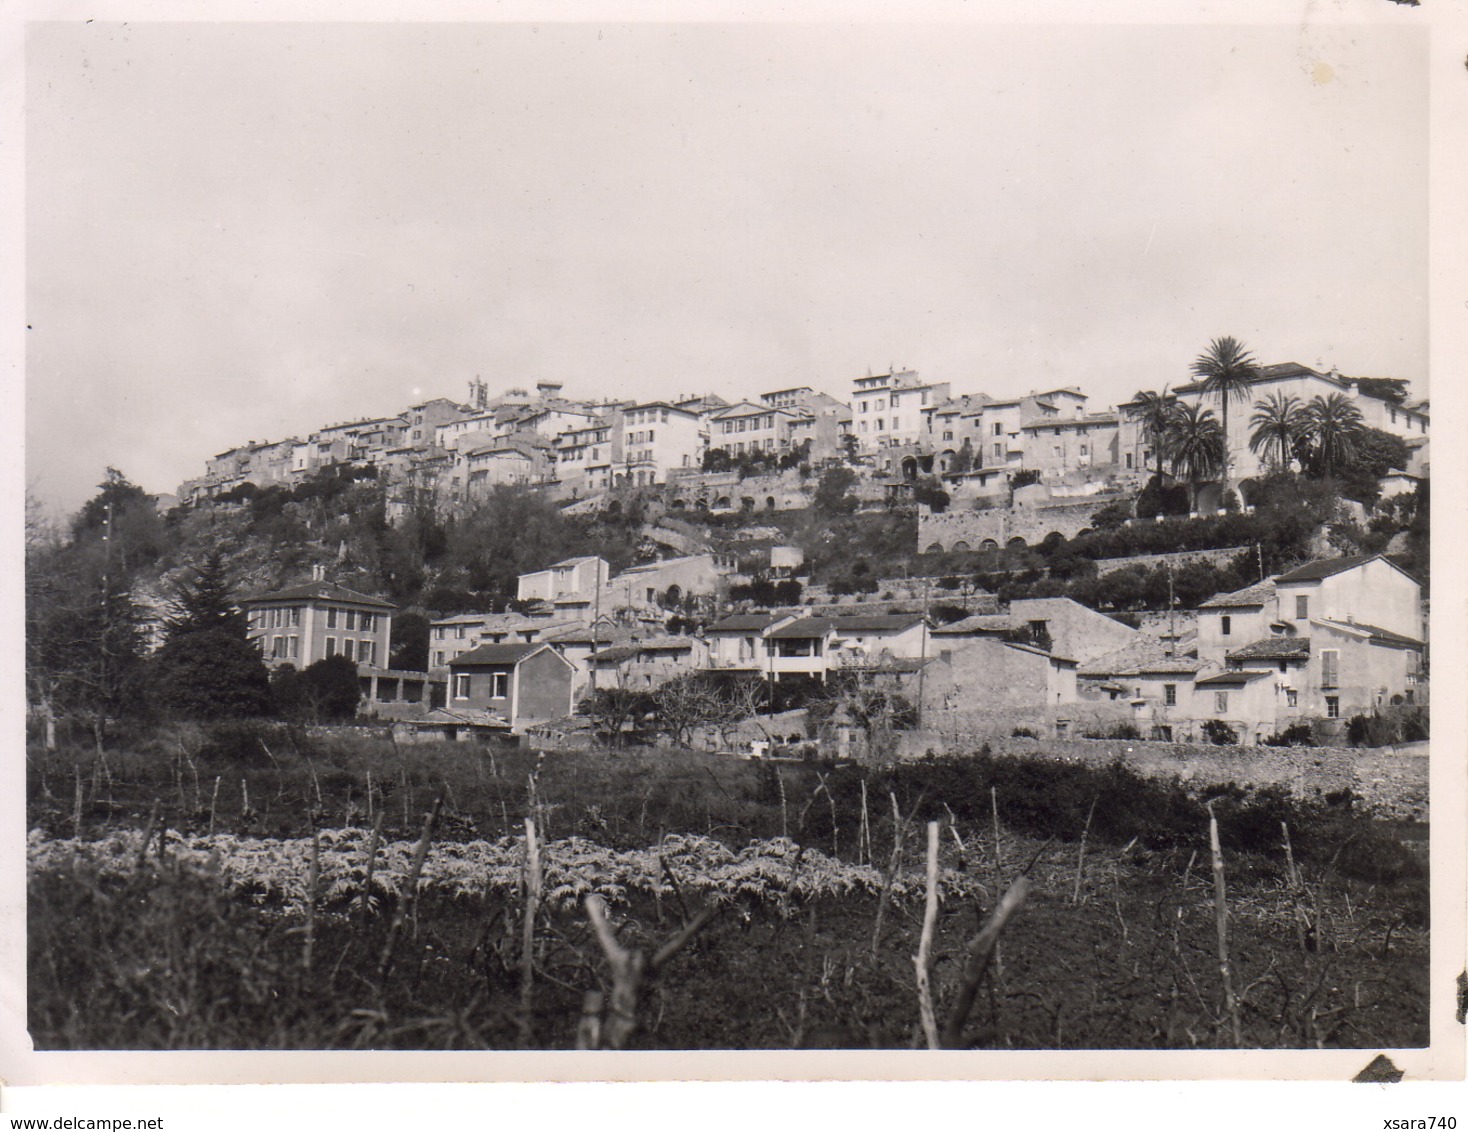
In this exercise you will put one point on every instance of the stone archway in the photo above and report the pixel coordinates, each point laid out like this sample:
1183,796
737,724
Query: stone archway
988,544
961,547
1016,543
946,460
909,468
934,548
769,503
676,505
722,503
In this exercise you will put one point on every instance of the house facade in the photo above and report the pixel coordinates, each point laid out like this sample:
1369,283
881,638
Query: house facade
570,578
300,625
523,684
888,410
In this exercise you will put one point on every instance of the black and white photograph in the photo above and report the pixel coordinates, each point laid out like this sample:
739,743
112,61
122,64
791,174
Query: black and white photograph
893,548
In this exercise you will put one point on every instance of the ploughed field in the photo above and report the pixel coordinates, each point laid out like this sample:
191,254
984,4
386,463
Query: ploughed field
242,889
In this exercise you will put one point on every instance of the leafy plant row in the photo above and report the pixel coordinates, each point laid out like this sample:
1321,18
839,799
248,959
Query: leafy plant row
276,872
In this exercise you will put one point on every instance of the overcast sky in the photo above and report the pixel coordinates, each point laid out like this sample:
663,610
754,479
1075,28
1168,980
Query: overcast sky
248,231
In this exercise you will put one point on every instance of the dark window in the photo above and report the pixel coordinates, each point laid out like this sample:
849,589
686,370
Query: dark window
1227,623
1169,695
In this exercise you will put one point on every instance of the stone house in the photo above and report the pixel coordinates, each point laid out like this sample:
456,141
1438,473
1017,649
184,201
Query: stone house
523,684
1074,630
302,624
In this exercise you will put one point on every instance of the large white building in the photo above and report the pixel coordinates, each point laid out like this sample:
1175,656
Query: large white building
656,438
888,409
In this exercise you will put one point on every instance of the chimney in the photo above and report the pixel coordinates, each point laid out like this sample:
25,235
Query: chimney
318,572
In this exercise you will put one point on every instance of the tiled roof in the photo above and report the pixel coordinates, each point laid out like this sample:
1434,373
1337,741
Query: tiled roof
476,717
323,591
743,622
615,654
875,622
1124,659
1260,593
666,644
1378,634
978,623
1273,648
1163,666
1326,568
587,634
803,627
1233,676
495,654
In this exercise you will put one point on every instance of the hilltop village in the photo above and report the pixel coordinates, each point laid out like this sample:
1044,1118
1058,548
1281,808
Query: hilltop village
1237,560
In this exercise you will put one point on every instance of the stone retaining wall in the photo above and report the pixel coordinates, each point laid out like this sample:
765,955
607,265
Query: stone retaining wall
1001,524
1392,782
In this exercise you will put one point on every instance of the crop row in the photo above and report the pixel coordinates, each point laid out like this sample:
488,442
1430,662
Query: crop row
277,872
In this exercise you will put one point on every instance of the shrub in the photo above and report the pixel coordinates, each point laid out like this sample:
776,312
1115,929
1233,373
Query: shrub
1295,735
1220,733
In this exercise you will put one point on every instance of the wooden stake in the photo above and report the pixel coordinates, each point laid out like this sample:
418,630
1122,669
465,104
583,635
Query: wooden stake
214,803
866,829
923,960
527,934
148,833
410,892
1081,856
371,863
630,966
899,832
76,809
313,885
982,948
998,868
1302,918
1220,910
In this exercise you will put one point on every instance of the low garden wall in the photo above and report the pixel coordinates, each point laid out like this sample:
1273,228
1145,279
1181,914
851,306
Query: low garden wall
1391,781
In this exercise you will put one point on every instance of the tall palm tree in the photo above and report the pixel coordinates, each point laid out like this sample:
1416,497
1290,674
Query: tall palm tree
1196,446
1154,412
1333,424
1228,370
1279,425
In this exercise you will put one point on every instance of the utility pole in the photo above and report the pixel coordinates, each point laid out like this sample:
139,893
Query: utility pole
923,653
595,628
1171,614
1259,551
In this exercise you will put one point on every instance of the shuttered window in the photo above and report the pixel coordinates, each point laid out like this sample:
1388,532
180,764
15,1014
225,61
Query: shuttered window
1330,663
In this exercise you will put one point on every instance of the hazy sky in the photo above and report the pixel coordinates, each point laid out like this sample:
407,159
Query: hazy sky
247,231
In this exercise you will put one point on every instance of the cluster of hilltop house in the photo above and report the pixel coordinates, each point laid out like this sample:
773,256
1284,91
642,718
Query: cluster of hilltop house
894,426
1323,642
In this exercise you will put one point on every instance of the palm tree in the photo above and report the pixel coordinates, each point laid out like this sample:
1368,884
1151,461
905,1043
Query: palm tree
1196,445
1279,425
1155,412
1333,425
1228,370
